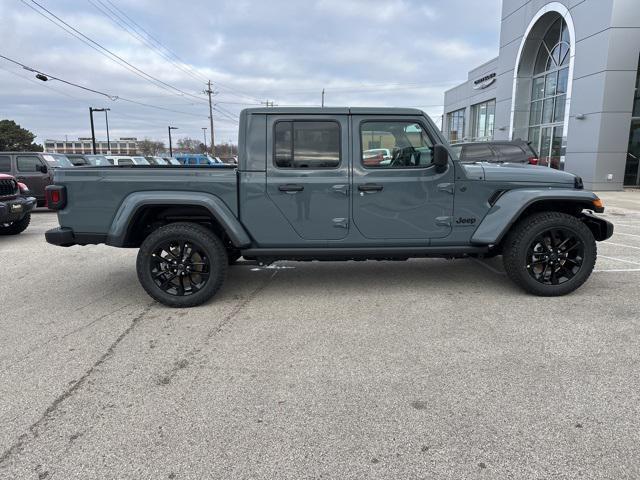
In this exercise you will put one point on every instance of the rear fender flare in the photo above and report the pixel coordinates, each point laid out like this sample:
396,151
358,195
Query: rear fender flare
509,207
137,200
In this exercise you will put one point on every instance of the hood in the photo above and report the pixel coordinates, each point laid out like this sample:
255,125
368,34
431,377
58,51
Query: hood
521,172
6,177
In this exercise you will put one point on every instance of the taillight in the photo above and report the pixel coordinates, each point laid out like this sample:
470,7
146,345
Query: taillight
56,197
533,160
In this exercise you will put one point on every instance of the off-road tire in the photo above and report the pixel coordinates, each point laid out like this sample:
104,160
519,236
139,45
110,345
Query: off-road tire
14,228
196,234
522,235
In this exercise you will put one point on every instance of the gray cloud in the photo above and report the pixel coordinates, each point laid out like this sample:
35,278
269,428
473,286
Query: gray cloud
363,52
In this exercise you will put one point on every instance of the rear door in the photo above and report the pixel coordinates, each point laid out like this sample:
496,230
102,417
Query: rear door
308,173
403,197
29,170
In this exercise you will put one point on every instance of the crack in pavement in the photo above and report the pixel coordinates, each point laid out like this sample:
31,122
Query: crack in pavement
190,356
33,431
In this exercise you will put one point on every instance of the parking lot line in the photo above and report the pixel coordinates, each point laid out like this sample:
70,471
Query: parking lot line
619,260
618,270
627,234
621,245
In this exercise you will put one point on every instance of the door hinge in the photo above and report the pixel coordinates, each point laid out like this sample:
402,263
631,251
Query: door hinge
443,221
340,223
343,189
446,187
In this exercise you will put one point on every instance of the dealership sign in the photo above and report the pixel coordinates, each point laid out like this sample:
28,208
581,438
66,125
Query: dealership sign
485,81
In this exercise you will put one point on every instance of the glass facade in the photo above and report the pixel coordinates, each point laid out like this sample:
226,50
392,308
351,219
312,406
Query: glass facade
483,117
549,96
632,168
455,125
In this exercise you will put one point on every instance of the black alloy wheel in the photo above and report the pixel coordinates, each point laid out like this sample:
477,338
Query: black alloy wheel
555,256
182,264
180,267
549,253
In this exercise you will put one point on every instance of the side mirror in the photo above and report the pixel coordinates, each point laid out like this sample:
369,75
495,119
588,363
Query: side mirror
440,157
43,169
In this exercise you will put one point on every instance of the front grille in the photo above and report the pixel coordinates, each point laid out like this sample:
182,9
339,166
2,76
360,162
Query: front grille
8,187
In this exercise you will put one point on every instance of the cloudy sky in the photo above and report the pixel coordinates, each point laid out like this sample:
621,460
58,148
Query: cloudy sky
403,53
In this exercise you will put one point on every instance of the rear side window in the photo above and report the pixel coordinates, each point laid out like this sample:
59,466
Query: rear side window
125,161
5,163
508,150
28,163
301,144
476,152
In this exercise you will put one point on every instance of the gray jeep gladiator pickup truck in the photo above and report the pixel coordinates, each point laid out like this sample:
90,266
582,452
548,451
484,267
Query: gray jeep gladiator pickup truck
308,187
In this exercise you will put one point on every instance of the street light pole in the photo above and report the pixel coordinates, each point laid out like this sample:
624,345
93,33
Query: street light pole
204,137
106,119
170,145
93,133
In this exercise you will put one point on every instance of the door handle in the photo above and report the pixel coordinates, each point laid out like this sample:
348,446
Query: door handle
290,187
370,187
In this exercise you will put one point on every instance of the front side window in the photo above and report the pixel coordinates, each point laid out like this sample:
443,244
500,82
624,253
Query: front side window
28,163
5,163
302,144
395,145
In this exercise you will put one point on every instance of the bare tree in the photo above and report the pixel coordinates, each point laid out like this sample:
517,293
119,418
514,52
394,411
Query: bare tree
151,147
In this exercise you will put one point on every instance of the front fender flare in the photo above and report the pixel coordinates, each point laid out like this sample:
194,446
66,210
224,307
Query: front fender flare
506,211
218,209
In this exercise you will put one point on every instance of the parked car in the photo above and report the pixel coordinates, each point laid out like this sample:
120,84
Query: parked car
156,160
16,204
512,151
193,159
30,168
127,160
171,161
303,192
84,159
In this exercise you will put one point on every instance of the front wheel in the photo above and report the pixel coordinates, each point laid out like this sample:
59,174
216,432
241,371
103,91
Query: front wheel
182,264
549,254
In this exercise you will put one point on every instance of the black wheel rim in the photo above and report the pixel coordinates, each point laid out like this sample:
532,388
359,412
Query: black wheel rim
180,267
555,256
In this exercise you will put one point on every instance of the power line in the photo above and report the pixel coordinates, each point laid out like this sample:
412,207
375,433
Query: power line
106,52
160,46
98,92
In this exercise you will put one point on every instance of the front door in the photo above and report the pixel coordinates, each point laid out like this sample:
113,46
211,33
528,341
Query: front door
397,192
308,173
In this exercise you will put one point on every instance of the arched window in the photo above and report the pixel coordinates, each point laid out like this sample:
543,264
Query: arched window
549,94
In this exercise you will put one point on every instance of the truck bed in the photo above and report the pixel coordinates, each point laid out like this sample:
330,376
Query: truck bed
96,194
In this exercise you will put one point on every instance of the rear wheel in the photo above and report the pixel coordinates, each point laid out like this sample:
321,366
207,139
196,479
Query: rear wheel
182,264
14,228
549,254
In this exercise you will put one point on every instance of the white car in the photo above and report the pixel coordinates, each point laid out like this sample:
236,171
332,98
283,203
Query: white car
126,160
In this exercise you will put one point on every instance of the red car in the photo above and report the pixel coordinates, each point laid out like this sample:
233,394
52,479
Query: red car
16,204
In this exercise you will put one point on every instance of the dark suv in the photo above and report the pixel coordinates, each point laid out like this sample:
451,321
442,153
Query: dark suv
15,206
512,151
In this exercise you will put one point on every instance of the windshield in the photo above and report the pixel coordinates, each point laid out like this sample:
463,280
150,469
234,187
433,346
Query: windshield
140,161
56,160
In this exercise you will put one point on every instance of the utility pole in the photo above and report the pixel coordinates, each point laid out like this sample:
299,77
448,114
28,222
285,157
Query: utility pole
106,119
170,145
210,92
204,137
268,103
323,98
93,132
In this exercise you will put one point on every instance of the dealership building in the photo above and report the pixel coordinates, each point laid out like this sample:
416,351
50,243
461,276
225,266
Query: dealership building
566,79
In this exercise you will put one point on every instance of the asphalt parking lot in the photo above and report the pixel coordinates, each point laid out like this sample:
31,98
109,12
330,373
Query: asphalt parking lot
400,370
